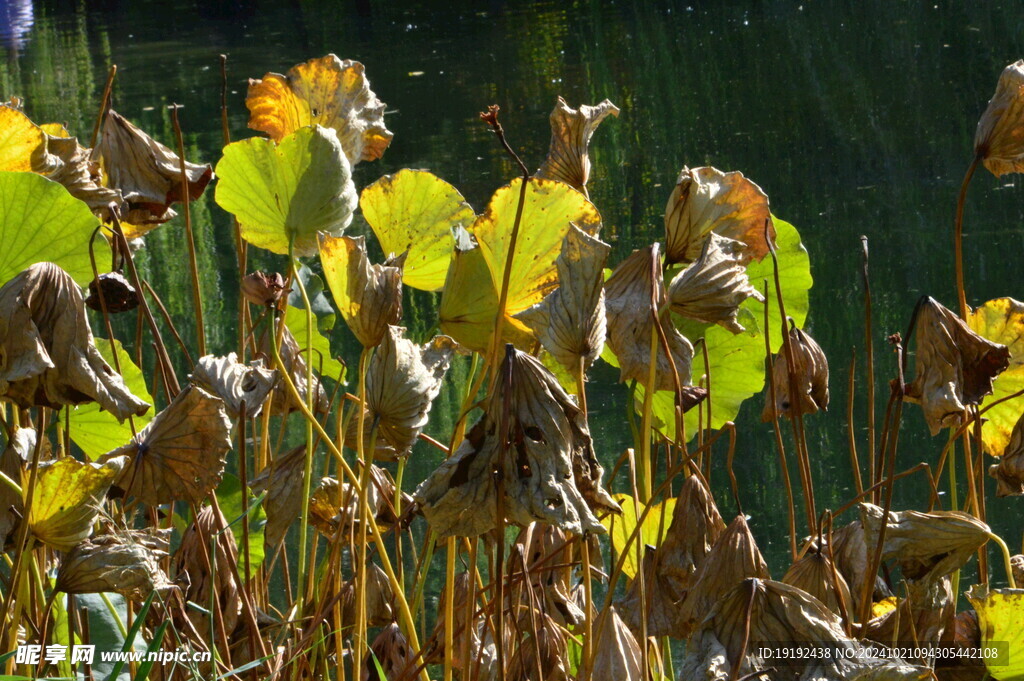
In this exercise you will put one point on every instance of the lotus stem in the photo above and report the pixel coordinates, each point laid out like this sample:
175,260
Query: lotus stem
364,512
104,101
869,349
449,609
851,435
197,294
958,234
1006,558
645,421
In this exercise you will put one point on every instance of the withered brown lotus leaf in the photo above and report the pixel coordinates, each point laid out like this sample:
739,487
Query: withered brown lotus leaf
460,630
147,173
782,615
282,481
927,545
327,91
713,288
334,506
999,139
663,601
542,655
1009,472
235,383
810,374
401,383
734,558
549,556
295,364
954,366
850,553
128,565
815,574
11,507
47,356
708,200
547,462
570,322
203,573
568,158
1017,566
633,289
180,454
696,526
369,297
925,614
379,598
81,174
616,651
118,293
391,650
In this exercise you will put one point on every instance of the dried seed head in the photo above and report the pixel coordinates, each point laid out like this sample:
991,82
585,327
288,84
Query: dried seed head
263,288
118,294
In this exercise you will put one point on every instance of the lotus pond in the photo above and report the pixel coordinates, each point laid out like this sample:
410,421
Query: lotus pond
490,381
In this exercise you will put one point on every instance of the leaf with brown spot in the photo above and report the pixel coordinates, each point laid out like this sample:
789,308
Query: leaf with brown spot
47,355
568,158
708,200
180,455
326,91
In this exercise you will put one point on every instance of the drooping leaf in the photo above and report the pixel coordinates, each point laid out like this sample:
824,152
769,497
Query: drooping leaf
568,158
22,142
953,365
417,212
617,654
999,139
815,573
235,383
652,532
96,431
334,506
67,499
201,563
328,91
180,454
48,356
126,564
548,210
570,321
707,200
282,481
391,652
369,297
1002,321
1009,472
809,377
999,612
147,173
287,190
82,176
550,471
40,220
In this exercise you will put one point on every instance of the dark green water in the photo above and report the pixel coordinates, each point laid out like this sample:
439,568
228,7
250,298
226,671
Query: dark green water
856,118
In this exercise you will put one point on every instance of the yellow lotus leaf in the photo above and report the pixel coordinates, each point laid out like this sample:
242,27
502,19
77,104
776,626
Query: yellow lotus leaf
369,297
327,91
67,499
652,532
416,211
22,142
548,210
1002,321
1001,620
55,130
568,158
999,139
180,454
708,200
469,305
1009,472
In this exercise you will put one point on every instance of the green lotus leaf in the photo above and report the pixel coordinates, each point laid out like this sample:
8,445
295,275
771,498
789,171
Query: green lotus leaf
652,533
736,361
287,190
1002,321
97,432
40,221
323,360
416,211
233,504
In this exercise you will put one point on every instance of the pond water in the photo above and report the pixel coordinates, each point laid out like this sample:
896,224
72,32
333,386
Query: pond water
855,118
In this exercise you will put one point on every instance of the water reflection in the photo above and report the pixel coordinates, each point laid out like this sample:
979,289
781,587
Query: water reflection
16,19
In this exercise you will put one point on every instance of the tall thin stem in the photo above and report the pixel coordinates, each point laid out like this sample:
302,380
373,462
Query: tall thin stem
197,294
958,235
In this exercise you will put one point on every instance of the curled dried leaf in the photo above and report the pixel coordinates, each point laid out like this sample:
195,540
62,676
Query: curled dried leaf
634,294
282,481
47,356
391,651
954,366
545,459
67,499
708,200
295,363
713,288
369,297
810,375
127,564
379,598
725,646
327,91
617,654
543,653
81,175
334,506
1009,472
816,574
401,383
549,558
203,574
924,615
570,321
734,558
180,454
147,173
11,507
235,383
568,158
927,545
999,139
118,293
463,633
